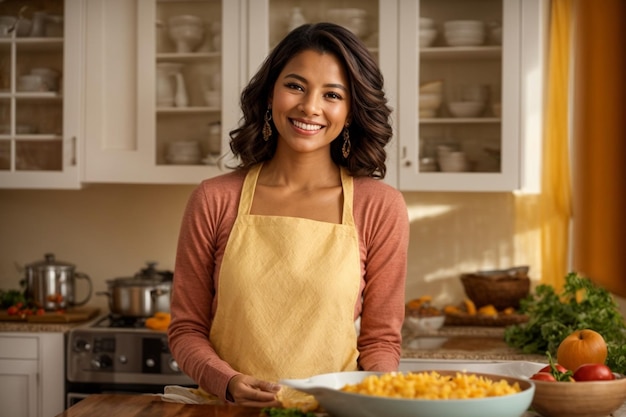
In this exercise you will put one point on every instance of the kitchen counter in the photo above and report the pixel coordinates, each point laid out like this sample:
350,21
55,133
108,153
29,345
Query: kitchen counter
463,342
49,323
107,405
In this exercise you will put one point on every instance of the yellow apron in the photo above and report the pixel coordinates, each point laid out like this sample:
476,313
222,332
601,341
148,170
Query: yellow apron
287,291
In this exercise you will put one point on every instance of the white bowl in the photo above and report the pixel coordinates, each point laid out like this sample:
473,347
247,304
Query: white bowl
426,22
464,40
352,19
427,113
430,101
432,87
186,31
31,83
464,24
327,390
453,162
466,108
50,77
212,98
427,37
424,324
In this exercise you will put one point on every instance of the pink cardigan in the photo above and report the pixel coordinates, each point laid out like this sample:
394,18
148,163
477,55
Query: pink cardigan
381,218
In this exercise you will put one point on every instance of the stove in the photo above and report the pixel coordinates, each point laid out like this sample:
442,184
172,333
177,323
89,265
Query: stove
119,354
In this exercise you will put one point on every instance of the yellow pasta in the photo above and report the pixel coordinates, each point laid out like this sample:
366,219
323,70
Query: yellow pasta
432,386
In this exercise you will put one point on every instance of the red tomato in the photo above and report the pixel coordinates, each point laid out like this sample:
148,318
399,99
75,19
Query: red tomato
543,376
593,372
13,310
558,367
40,312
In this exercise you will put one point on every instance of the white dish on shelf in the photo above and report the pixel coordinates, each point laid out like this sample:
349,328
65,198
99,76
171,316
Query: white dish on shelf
427,36
32,83
466,108
430,101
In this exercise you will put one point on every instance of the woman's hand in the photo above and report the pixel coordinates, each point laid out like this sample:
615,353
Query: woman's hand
252,392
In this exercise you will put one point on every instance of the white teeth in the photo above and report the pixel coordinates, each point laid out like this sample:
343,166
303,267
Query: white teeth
305,126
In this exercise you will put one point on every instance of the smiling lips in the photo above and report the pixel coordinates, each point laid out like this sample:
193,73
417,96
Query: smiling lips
306,126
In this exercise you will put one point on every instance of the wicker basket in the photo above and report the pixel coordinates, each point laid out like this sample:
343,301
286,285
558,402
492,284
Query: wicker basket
502,289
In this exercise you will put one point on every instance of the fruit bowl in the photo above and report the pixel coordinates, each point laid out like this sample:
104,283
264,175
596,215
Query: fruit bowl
579,399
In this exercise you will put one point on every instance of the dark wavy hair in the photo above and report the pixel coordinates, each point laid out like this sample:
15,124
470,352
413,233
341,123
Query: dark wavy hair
370,128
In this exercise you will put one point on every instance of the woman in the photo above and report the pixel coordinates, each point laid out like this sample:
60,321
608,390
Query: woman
277,259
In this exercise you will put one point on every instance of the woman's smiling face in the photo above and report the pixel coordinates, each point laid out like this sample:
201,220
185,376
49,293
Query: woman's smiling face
311,101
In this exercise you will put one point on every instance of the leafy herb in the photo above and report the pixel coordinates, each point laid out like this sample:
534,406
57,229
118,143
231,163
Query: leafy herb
10,298
552,317
284,412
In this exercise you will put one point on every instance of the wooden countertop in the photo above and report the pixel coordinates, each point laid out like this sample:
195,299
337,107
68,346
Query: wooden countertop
120,405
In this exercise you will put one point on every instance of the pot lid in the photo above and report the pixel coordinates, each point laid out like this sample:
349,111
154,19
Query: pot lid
50,262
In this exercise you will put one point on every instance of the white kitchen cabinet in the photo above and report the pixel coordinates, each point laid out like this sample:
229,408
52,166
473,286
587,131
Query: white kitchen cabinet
132,130
131,126
500,146
41,119
32,374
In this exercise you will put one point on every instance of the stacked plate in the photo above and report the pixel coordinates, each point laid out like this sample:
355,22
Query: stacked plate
430,98
464,32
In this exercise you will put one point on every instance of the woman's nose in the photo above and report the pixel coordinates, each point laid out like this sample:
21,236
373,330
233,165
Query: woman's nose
310,104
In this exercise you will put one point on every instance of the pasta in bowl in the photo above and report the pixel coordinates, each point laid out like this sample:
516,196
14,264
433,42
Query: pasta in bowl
430,393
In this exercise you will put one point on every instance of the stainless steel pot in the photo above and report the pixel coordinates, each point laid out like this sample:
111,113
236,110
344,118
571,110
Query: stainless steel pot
51,284
142,295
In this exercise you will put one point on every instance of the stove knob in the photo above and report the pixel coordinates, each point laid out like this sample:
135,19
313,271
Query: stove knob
102,362
82,345
150,363
174,365
123,359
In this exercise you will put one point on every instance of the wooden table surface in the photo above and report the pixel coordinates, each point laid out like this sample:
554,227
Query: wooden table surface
122,405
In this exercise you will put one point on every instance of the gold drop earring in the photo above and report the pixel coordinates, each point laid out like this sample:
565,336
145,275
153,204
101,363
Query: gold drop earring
267,128
347,146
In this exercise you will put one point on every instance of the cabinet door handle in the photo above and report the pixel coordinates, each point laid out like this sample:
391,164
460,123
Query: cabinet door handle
73,158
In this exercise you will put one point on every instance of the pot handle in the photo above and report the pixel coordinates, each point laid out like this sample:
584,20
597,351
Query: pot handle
81,275
157,292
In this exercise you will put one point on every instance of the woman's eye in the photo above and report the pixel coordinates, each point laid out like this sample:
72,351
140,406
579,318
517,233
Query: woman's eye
294,86
334,95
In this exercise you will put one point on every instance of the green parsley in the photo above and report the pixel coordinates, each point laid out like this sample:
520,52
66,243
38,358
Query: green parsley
552,317
284,412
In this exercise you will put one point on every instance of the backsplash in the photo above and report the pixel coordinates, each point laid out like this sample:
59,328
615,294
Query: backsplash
111,231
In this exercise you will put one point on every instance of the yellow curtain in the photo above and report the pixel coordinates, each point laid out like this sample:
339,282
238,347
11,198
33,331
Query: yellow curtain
543,221
556,194
600,143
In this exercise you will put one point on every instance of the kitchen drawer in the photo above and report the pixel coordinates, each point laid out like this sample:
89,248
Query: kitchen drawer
19,347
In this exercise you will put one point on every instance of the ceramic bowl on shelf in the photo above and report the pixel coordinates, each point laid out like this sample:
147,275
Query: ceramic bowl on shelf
430,101
432,87
186,31
31,83
351,18
50,77
427,36
464,32
466,108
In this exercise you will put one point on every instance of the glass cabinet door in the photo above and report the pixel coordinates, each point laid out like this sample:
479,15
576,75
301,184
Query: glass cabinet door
39,92
460,102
